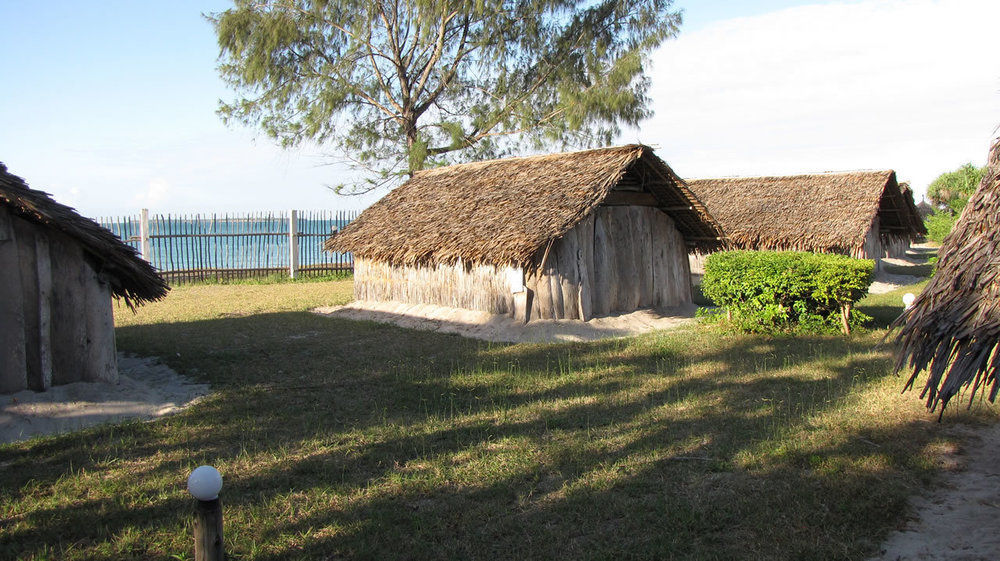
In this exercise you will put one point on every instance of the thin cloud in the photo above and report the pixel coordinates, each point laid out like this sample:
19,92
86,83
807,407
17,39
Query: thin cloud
907,85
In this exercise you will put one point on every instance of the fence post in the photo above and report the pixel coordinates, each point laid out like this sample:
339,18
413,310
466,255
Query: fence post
293,243
144,236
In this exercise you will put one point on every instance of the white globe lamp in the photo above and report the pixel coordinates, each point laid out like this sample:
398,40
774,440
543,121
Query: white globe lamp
908,299
204,483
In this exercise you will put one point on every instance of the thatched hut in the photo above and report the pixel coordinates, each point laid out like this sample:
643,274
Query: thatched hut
953,327
862,214
913,210
58,273
898,245
563,236
924,209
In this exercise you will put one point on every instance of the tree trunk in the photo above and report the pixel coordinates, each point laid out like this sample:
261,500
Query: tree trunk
415,162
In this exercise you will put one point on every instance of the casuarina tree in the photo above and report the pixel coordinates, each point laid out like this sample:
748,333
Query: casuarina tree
400,85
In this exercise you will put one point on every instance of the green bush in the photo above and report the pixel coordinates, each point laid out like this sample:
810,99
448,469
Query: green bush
939,225
768,291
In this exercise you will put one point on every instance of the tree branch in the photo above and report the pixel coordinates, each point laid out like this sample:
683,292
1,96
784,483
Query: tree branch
451,72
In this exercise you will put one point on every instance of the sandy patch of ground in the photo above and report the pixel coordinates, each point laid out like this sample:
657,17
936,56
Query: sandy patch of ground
887,282
146,389
499,328
960,521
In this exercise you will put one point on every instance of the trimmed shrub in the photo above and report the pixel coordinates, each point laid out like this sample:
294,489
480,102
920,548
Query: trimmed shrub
769,291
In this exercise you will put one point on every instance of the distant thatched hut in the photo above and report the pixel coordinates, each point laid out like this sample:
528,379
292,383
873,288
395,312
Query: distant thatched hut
953,327
58,272
913,210
565,236
924,209
898,246
862,214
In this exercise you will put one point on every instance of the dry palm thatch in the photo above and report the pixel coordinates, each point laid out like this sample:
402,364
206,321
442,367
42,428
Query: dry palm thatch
507,211
953,327
925,209
828,212
913,214
130,278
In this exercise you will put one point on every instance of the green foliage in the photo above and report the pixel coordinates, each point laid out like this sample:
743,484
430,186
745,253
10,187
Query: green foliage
400,86
939,225
764,291
951,190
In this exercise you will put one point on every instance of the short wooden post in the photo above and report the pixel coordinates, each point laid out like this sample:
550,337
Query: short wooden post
293,243
208,531
144,235
204,484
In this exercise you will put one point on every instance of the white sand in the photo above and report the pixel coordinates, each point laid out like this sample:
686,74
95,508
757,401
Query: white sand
885,282
500,328
961,520
146,389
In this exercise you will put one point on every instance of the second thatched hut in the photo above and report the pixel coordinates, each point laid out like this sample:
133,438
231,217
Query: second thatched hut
863,214
562,236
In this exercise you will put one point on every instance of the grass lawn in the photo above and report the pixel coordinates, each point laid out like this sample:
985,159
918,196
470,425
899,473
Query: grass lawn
342,439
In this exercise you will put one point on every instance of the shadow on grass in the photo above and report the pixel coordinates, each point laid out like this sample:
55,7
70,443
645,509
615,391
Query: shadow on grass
353,439
915,270
882,315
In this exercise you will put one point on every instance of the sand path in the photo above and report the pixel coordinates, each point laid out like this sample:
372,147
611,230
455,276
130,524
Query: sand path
146,389
500,328
960,520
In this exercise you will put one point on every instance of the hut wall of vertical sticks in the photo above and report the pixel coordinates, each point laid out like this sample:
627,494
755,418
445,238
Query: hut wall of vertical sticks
475,287
563,236
863,214
58,273
952,330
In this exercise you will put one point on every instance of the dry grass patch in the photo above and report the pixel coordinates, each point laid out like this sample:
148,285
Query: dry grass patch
370,441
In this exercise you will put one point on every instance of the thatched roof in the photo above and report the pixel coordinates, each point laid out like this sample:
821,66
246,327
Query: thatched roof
829,212
925,209
506,211
913,213
130,277
953,327
922,209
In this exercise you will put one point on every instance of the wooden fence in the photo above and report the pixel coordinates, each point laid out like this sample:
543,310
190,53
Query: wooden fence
223,246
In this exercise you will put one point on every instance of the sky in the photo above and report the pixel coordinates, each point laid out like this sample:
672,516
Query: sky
110,106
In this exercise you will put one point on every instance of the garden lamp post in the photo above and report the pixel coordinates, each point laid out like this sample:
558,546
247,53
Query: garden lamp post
908,299
204,484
